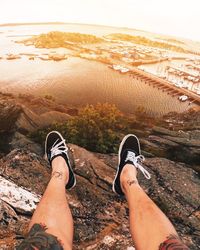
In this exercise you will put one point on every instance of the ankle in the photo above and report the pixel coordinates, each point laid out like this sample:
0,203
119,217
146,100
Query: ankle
60,169
128,177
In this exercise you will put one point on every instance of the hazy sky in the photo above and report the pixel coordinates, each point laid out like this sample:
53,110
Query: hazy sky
175,17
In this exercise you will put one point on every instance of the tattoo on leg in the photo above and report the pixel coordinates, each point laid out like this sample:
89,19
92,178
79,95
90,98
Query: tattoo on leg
38,238
57,174
132,182
173,243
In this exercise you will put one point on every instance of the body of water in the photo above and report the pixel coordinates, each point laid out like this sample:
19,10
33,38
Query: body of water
76,81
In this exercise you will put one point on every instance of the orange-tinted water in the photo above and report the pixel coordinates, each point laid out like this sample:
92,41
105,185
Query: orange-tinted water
76,81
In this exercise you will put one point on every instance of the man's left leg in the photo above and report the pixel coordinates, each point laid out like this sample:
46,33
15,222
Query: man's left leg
51,226
53,210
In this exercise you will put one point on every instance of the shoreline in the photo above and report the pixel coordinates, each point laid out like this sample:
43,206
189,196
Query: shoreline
74,78
59,90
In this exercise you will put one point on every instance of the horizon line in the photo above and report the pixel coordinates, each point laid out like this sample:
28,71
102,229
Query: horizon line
102,25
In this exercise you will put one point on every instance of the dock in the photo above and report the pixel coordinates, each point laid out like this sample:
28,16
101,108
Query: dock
164,85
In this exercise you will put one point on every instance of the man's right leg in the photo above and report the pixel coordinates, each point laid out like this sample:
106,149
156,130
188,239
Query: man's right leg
150,228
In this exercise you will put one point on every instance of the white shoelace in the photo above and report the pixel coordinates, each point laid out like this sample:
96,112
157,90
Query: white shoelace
56,150
136,160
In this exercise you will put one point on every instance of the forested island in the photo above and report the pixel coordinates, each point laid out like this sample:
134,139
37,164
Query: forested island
57,39
146,42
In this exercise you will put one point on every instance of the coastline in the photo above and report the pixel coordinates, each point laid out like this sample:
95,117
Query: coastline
70,76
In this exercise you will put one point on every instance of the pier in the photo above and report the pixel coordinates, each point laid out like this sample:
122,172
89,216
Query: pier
165,85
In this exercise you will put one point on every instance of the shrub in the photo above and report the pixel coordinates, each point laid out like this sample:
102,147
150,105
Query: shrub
97,128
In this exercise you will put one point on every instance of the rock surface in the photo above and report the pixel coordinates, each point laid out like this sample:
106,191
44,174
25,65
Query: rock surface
9,113
28,113
101,217
17,197
179,140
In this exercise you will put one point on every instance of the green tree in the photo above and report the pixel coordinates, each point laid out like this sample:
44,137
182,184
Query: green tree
97,128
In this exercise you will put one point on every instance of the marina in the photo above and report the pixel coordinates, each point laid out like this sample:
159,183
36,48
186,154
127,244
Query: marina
165,85
103,72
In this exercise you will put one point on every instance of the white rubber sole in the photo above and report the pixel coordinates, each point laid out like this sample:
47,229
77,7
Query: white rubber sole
54,131
119,157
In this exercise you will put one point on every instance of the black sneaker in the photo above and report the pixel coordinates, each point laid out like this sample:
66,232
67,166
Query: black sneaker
55,146
129,153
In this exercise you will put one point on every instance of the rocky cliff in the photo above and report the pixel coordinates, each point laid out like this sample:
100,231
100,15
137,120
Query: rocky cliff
101,218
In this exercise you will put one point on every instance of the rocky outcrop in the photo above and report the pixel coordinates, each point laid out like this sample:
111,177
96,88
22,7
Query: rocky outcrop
186,120
9,113
23,201
101,217
8,225
19,140
28,121
178,145
19,114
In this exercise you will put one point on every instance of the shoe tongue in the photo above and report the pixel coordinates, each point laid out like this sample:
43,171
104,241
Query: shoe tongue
129,150
124,155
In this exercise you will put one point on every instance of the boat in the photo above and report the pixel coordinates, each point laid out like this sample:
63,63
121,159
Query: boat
183,98
120,68
197,90
117,67
57,57
185,85
12,57
124,70
179,84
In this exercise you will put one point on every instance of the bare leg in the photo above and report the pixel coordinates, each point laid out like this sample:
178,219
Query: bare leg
148,224
53,210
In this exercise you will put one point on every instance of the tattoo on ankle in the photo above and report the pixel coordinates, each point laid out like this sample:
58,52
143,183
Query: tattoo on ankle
131,182
57,174
173,242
